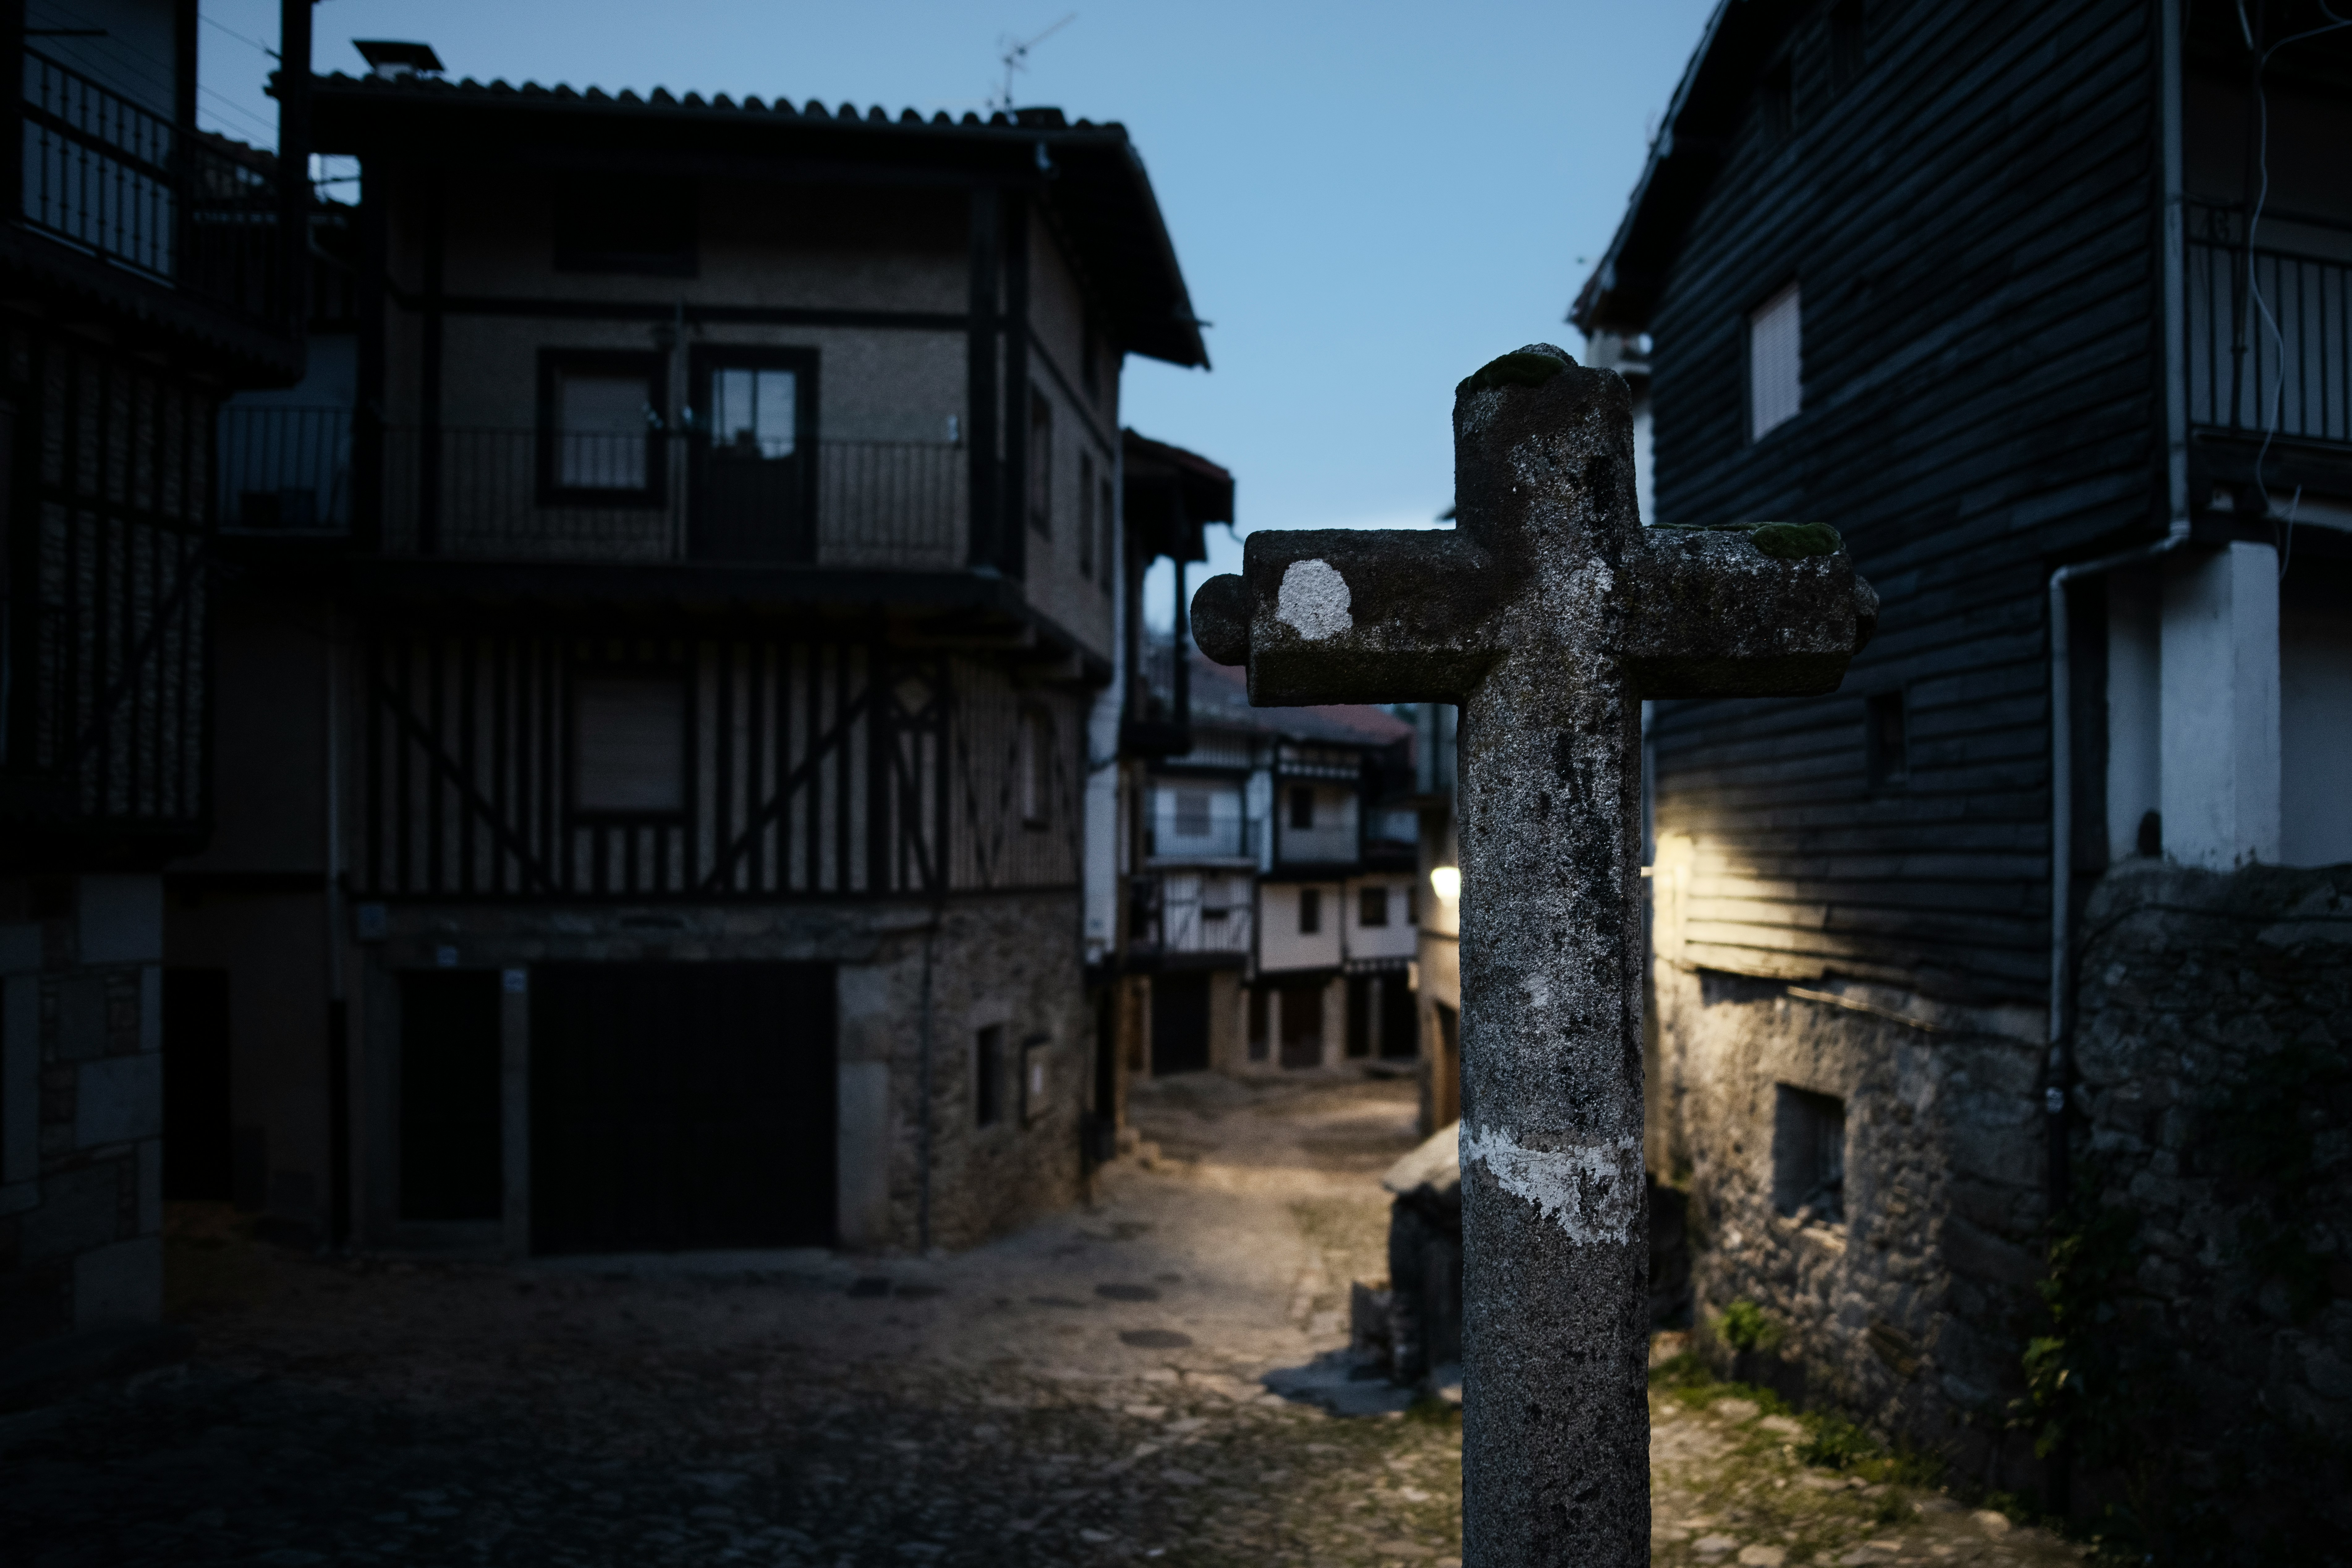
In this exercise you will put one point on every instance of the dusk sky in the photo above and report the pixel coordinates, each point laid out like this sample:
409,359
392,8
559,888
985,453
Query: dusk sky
1369,200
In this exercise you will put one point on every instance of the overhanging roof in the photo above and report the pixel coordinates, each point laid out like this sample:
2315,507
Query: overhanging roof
1171,495
1089,176
1694,140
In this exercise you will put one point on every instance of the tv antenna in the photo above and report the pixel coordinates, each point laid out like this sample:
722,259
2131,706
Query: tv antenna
1016,59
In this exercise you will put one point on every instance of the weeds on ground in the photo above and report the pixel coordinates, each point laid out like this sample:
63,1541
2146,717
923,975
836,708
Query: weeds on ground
1830,1442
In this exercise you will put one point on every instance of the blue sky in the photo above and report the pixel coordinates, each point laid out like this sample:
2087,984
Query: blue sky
1369,200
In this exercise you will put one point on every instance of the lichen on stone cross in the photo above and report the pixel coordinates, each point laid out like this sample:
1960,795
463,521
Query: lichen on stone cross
1548,613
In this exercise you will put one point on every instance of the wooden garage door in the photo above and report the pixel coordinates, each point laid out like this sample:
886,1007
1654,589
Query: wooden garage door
678,1106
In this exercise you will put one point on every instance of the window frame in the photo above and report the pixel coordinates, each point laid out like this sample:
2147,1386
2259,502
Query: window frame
653,365
646,669
1032,752
1791,287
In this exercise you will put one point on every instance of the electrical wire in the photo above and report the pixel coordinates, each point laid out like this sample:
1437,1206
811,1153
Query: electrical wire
2277,412
160,78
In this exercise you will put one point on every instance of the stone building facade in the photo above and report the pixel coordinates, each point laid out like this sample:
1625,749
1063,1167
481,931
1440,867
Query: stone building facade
660,673
1990,951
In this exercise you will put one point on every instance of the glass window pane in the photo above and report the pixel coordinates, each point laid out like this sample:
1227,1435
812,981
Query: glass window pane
600,431
752,412
775,396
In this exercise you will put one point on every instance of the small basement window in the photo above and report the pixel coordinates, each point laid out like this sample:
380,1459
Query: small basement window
1809,1156
1886,735
1775,362
628,745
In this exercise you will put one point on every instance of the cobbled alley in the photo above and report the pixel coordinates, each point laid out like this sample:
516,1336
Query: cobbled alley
1095,1389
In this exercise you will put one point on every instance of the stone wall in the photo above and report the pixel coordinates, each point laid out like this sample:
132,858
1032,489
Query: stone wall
1009,960
81,1106
1905,1309
2212,1101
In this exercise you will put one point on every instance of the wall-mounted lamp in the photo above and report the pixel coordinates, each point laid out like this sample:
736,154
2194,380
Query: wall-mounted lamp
1446,882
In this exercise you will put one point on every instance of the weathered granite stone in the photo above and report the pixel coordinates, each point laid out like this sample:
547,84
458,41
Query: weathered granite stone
1549,613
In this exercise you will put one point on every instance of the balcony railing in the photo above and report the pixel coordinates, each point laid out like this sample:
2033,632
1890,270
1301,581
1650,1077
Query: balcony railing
285,469
1190,914
2270,333
511,494
125,185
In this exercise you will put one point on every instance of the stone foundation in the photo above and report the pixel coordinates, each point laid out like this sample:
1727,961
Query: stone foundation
1903,1309
2213,1095
1008,962
81,1107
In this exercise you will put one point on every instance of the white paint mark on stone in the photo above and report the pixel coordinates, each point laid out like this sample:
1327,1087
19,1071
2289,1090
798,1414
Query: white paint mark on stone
1538,990
1314,599
1593,1193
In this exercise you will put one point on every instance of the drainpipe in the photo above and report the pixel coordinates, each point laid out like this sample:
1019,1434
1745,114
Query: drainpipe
2173,270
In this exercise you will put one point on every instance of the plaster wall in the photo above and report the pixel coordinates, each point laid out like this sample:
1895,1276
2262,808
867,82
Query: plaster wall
1281,945
2220,707
2315,723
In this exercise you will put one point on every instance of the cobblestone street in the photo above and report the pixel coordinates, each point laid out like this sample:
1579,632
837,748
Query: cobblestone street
1089,1391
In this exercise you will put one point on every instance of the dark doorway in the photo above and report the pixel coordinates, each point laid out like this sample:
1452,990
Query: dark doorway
449,1072
1363,1013
1400,1018
754,487
1179,1023
199,1143
1302,1023
677,1106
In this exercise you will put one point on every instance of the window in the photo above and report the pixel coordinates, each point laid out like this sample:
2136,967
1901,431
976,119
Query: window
754,412
1884,734
1087,515
1041,464
609,223
988,1076
1191,813
1106,516
599,423
1372,907
1775,362
628,745
1847,39
1809,1156
1034,764
1310,911
1302,807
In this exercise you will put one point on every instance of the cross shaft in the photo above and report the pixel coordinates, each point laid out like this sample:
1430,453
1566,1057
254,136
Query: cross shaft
1548,614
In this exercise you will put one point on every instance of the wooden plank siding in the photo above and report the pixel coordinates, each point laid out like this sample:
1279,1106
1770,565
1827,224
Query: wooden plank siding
812,768
1973,223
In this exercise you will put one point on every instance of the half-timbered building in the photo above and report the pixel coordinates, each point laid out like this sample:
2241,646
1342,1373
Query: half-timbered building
2044,307
656,698
144,278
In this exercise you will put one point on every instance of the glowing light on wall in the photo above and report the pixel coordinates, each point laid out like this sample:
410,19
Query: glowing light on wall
1446,881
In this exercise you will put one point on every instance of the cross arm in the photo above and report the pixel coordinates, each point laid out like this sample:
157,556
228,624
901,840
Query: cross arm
1775,610
1352,616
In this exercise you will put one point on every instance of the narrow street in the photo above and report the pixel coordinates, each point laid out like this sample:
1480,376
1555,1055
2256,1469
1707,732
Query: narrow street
1093,1390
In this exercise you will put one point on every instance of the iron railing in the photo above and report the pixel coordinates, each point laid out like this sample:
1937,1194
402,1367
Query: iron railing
2270,333
285,469
665,496
109,177
528,494
1178,913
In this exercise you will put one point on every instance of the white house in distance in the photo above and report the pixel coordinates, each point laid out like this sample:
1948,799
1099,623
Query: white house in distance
1274,901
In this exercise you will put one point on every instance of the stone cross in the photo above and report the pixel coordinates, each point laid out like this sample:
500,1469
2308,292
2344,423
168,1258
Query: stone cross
1548,613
